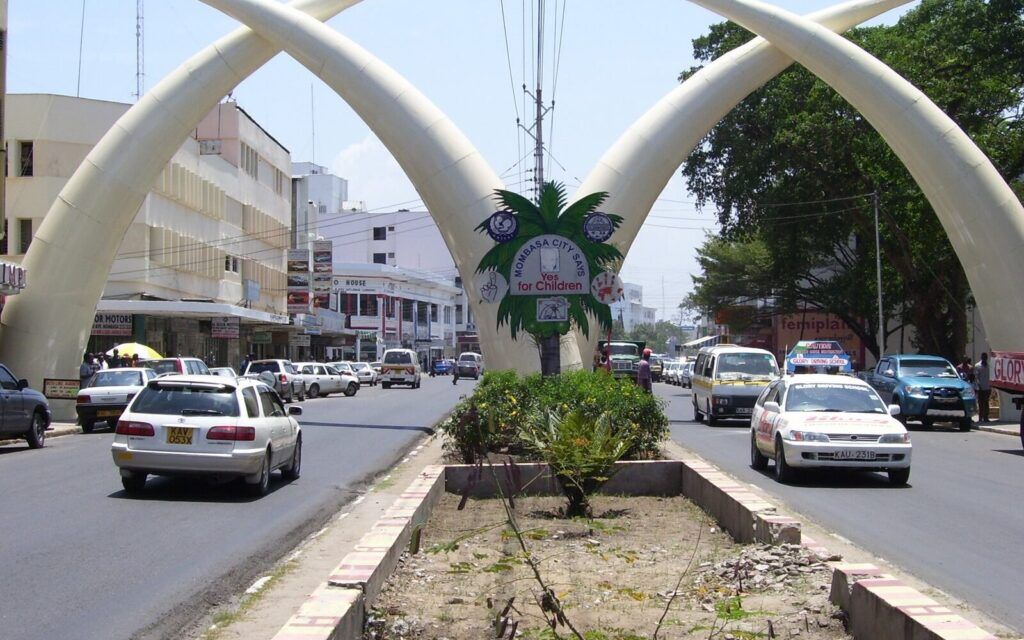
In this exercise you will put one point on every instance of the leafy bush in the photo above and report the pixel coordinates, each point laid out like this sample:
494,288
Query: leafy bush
581,452
494,417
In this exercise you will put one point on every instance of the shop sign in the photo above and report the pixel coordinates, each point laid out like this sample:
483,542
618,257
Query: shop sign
298,301
226,328
298,340
13,278
60,389
342,284
549,264
112,324
298,261
323,256
262,337
322,283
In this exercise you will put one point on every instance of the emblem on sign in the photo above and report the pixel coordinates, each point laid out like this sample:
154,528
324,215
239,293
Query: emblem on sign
491,286
552,309
503,226
607,287
597,227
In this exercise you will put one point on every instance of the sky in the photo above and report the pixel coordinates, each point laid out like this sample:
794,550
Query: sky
618,57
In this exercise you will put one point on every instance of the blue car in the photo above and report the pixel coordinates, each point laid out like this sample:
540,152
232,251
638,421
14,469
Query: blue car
926,388
442,367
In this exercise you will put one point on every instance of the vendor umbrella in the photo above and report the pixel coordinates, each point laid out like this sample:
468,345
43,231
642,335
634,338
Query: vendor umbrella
131,348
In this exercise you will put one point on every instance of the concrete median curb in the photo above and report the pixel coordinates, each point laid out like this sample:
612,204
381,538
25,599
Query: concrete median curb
879,606
1006,431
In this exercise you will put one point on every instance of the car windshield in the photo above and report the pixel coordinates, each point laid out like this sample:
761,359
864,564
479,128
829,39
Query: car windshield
927,369
397,357
169,365
260,367
746,366
467,357
623,349
115,378
833,398
187,400
359,366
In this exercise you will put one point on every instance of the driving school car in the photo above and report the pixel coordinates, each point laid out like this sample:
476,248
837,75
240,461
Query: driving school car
827,421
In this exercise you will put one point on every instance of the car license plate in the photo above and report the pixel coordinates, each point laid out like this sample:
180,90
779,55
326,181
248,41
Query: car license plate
948,413
179,435
108,413
854,454
744,411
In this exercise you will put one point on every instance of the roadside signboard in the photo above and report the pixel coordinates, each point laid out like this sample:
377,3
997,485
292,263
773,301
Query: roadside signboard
816,354
299,288
112,324
225,328
1007,371
60,389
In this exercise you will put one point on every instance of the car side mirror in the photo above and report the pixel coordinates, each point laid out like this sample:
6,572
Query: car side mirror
772,406
894,410
22,384
294,411
889,373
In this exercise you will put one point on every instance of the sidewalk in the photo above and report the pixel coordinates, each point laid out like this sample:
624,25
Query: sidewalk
999,426
56,430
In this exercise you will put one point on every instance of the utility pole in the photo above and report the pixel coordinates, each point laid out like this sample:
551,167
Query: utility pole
81,43
878,269
140,47
537,130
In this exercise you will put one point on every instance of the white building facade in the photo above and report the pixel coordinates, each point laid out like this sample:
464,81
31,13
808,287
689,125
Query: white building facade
204,260
630,311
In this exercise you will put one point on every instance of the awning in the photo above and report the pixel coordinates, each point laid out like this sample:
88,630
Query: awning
706,341
180,309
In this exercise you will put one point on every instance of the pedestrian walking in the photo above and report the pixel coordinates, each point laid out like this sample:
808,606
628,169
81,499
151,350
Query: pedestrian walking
643,374
245,362
966,370
984,387
85,371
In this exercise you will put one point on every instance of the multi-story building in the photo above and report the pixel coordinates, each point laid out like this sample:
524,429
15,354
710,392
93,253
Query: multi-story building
630,311
204,260
316,193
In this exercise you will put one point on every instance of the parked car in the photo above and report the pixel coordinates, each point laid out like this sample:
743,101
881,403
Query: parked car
727,380
926,388
191,366
400,366
26,413
207,425
672,370
282,378
365,373
107,395
469,365
819,420
226,372
657,368
443,367
686,375
323,380
376,366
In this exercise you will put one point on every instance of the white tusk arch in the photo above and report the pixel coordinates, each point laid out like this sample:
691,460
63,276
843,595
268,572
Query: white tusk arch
46,327
980,213
636,168
451,176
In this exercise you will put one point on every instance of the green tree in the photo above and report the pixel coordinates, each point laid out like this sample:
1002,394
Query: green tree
550,216
655,335
797,141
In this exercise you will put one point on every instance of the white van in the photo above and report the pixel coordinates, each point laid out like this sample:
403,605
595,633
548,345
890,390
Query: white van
727,379
400,366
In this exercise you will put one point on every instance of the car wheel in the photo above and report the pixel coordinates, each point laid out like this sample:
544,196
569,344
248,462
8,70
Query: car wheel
263,485
88,426
386,385
36,435
899,477
350,390
134,483
290,398
758,460
294,468
302,394
314,391
697,416
927,423
965,424
783,472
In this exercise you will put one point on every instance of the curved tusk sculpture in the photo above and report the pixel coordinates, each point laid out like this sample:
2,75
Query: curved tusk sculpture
980,213
451,176
635,170
46,327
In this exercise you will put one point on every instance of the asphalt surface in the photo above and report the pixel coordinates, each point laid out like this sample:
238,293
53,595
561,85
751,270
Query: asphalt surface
82,559
957,526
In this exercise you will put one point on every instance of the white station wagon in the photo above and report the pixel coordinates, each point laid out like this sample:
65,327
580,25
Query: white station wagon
827,421
207,425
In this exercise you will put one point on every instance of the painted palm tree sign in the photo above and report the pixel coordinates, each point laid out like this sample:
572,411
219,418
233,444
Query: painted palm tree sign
544,261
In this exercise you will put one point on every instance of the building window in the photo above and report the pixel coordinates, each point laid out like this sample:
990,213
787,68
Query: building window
25,158
458,314
447,314
433,313
24,234
407,310
231,263
391,228
322,208
368,304
380,258
3,241
380,233
250,161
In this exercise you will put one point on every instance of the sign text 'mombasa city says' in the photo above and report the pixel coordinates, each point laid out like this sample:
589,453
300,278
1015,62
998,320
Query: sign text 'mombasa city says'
549,264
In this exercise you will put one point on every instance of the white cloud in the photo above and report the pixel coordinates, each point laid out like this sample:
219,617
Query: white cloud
374,175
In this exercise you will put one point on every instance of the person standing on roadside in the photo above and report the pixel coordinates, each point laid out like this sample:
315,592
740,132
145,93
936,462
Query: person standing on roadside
984,387
643,374
85,371
115,360
966,370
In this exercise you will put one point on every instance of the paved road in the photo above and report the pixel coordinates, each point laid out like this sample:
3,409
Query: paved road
958,525
81,559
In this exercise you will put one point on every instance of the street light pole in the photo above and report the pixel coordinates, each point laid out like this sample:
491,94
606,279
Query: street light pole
878,269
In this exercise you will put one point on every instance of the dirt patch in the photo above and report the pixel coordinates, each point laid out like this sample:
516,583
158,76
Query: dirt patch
614,575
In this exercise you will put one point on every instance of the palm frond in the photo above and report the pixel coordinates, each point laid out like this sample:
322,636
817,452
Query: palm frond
525,210
552,201
572,218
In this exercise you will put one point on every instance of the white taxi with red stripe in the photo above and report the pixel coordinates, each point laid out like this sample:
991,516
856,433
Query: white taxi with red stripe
804,421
